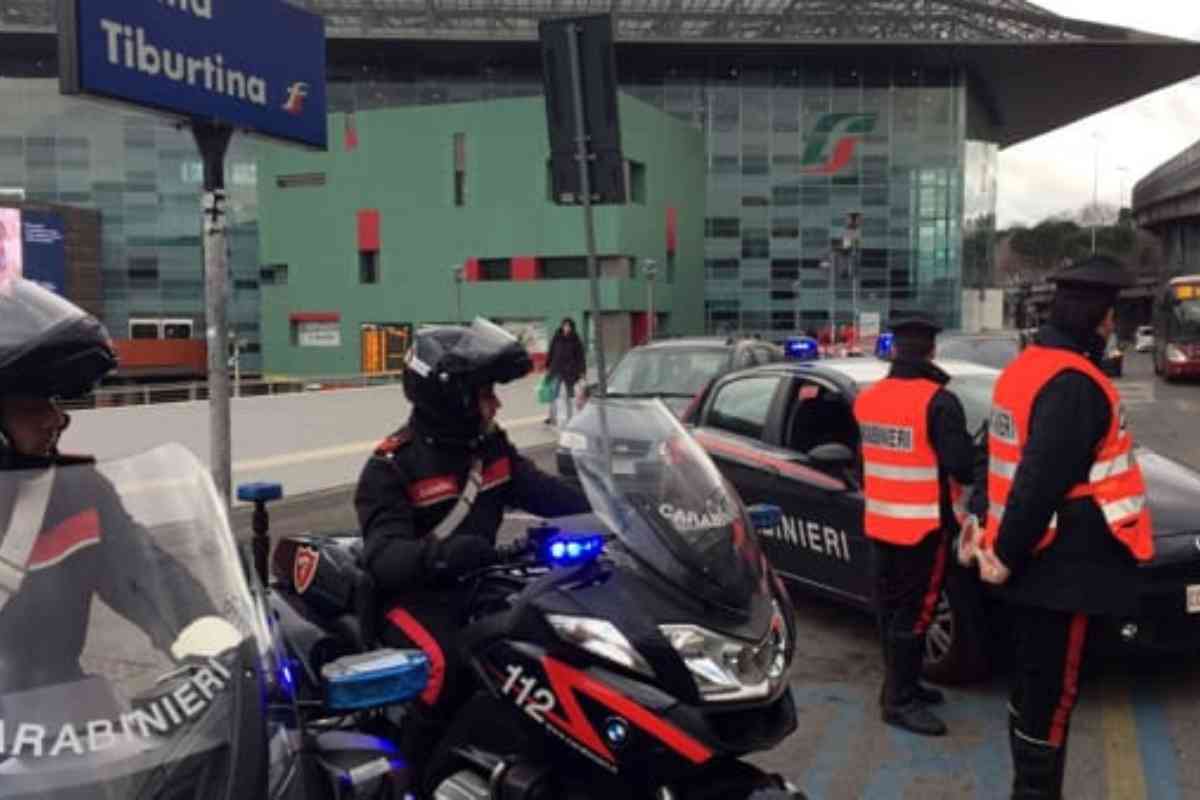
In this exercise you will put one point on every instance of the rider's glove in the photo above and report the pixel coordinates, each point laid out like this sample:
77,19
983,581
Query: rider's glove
458,555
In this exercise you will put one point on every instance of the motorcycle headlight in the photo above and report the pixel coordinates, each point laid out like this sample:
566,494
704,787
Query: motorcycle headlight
600,638
727,669
1175,354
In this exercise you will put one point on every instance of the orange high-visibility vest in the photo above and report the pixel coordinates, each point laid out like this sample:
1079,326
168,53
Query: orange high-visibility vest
900,466
1115,481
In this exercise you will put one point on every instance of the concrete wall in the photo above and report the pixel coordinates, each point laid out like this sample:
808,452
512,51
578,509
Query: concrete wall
403,167
982,311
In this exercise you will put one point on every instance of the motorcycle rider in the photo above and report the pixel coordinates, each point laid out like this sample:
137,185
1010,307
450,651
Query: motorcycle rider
58,513
432,497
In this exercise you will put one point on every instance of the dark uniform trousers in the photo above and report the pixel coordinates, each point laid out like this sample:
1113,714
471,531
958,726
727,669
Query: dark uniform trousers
1045,687
908,583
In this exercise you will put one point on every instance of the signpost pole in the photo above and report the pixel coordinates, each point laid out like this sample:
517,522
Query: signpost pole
589,225
213,141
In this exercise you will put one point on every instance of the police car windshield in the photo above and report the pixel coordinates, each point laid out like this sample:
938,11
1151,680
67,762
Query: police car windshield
666,371
127,635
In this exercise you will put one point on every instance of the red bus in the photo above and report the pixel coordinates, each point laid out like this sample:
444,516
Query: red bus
1177,328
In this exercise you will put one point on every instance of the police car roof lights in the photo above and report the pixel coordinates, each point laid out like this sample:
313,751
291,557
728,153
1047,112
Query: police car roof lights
567,549
801,348
883,345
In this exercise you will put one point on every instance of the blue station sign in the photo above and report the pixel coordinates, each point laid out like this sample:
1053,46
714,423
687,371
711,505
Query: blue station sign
256,65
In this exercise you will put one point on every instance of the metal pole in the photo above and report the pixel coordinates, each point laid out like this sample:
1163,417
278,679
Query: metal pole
833,265
585,184
458,279
213,141
653,319
1095,188
237,367
796,305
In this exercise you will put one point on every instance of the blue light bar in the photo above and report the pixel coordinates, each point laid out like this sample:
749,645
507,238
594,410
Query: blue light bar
567,549
802,348
883,346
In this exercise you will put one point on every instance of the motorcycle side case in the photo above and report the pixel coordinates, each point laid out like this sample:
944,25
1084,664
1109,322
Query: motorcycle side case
321,570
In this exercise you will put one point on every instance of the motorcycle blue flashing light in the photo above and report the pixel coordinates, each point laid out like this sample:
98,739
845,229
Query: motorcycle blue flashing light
883,346
263,492
567,549
802,348
375,679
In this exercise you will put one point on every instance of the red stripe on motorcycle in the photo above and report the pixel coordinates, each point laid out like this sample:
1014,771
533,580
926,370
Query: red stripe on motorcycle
566,681
69,536
423,639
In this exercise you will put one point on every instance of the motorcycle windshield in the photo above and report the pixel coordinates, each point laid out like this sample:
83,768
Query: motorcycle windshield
127,630
665,499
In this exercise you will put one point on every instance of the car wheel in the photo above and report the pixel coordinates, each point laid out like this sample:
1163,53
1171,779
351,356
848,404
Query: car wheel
955,650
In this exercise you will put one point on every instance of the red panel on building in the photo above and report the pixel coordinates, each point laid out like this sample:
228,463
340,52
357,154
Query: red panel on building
639,328
368,230
672,229
315,316
471,270
526,268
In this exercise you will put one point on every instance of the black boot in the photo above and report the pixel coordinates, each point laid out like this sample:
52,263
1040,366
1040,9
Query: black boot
902,706
1037,769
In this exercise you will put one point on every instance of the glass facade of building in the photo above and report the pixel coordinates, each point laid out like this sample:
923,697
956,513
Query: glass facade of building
795,149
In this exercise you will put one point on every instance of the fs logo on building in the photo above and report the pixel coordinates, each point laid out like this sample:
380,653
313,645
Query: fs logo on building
296,93
832,141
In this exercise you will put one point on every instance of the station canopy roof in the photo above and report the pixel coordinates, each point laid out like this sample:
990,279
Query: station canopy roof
1033,70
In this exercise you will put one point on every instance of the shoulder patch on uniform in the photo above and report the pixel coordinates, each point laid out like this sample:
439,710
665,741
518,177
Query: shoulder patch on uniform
394,442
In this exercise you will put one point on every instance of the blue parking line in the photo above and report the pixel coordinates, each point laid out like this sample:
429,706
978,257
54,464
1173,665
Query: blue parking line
1159,761
975,755
835,754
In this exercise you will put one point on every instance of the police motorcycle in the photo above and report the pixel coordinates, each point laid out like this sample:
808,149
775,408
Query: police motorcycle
167,683
639,652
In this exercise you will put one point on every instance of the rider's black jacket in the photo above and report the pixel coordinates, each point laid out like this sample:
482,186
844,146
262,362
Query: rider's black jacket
412,482
89,547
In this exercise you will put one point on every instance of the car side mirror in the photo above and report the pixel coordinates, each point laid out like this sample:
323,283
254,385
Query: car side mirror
831,455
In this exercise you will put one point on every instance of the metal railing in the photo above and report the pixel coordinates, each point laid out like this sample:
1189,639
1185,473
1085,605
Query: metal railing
154,393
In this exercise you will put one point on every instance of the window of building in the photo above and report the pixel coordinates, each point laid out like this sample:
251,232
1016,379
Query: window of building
495,269
144,329
460,169
300,180
368,267
564,268
635,180
273,274
177,329
722,227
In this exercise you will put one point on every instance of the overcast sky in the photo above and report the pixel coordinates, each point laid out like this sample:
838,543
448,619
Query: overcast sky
1053,173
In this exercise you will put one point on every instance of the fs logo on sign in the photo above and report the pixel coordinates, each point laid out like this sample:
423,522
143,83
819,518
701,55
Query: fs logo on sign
296,93
831,144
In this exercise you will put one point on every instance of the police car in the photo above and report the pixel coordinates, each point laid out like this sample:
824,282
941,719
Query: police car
786,434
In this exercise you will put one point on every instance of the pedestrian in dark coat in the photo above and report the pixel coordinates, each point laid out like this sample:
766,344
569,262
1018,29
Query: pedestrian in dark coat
566,364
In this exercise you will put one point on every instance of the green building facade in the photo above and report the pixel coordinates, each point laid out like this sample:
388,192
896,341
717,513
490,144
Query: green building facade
411,216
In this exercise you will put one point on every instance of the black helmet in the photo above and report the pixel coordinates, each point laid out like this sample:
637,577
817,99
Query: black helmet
49,346
445,369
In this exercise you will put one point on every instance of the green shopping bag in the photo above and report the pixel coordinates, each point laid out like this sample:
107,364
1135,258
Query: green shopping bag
546,389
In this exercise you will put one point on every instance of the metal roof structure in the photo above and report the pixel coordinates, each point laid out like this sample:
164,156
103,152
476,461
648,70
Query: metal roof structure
1171,191
675,20
1030,71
